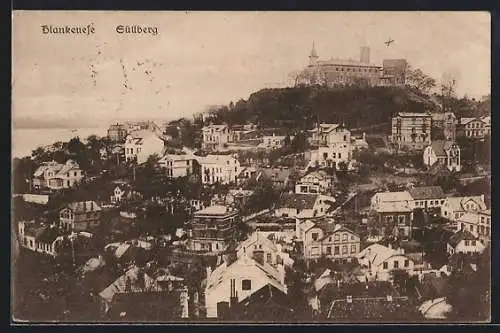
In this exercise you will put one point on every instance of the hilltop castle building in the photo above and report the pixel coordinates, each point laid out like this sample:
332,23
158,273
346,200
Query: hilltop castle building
349,72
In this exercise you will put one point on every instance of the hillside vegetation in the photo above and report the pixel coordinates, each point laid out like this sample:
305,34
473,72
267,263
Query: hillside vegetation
299,108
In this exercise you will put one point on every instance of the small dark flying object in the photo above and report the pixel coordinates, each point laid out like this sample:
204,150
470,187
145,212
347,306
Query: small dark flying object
389,42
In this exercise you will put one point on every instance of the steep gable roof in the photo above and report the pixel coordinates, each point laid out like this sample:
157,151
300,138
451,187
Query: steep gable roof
460,236
241,267
459,203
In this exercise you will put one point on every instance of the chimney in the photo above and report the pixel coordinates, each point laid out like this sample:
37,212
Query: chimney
364,136
259,256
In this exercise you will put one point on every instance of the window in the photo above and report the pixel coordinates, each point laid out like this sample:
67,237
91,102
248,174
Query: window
401,219
466,243
269,258
336,237
340,156
473,243
353,248
442,202
385,265
246,285
344,237
344,249
407,263
315,236
336,250
352,237
396,264
328,250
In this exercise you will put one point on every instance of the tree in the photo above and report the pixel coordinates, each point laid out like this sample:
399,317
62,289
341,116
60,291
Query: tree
417,79
299,142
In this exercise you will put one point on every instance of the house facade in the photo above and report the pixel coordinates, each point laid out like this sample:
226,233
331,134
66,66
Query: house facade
427,197
117,132
380,261
394,210
233,282
141,144
329,240
261,248
455,207
79,216
57,176
38,238
411,131
213,228
474,128
329,134
331,156
177,165
223,169
316,182
443,153
214,137
478,223
303,205
273,141
464,242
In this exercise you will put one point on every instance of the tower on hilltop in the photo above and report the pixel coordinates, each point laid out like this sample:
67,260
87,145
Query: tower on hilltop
313,58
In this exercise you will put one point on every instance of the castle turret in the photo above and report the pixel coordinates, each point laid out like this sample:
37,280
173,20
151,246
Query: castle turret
313,58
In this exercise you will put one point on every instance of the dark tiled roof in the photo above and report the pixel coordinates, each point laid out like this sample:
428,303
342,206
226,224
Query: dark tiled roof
460,236
299,201
426,192
48,235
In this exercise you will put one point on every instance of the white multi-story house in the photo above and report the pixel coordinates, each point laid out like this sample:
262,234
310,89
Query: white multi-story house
303,205
456,207
141,144
477,223
259,247
327,239
475,128
334,145
329,134
177,165
215,137
445,153
57,176
331,156
223,169
379,262
238,280
464,242
316,182
39,238
381,198
273,141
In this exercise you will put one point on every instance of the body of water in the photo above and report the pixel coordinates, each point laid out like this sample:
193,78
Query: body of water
25,140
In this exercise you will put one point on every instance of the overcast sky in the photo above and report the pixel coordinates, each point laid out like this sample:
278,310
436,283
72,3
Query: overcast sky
206,58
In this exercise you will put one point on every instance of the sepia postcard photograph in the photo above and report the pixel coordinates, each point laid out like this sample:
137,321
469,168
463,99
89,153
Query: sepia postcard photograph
251,167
